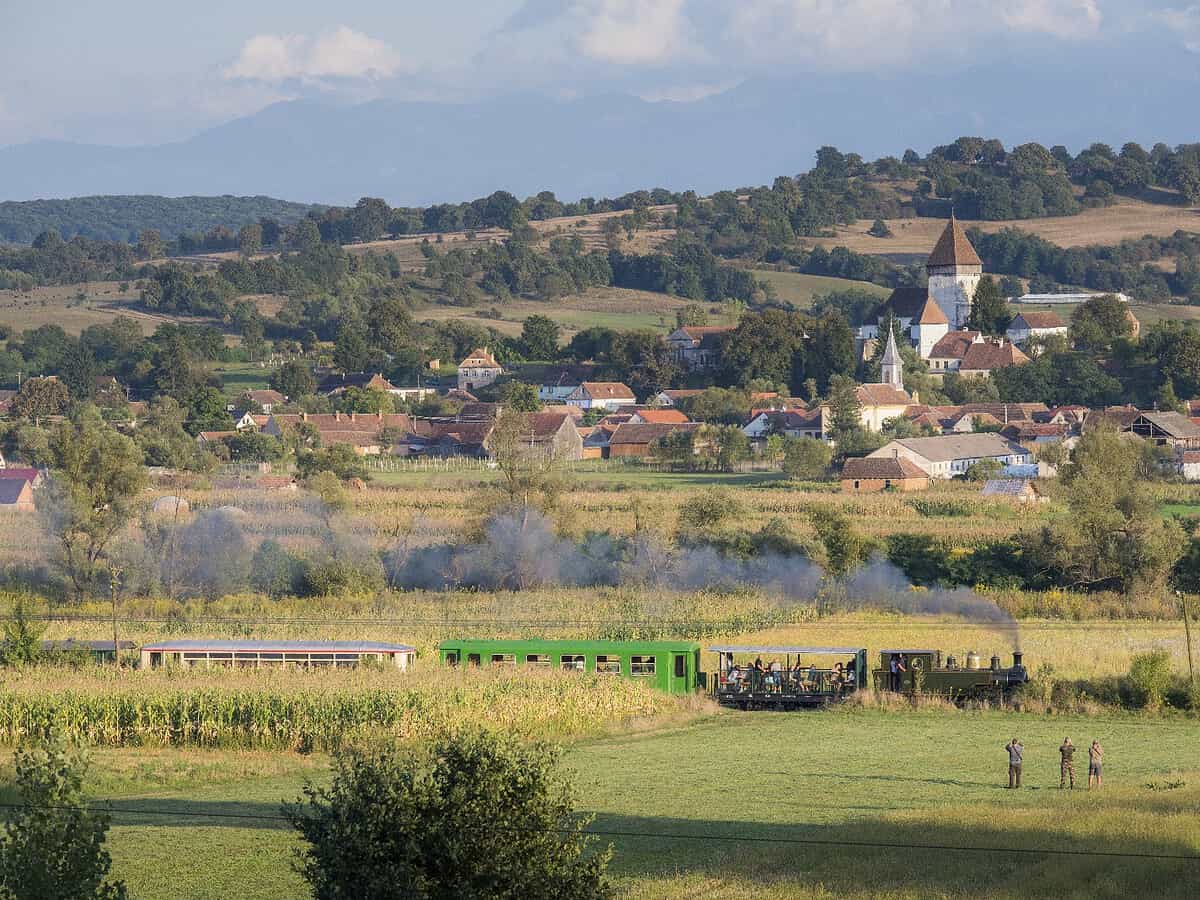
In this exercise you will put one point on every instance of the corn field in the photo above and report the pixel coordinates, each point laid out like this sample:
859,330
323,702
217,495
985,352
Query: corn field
310,711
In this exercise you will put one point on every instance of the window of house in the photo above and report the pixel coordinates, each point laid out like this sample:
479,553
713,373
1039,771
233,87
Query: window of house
856,485
641,665
572,662
608,665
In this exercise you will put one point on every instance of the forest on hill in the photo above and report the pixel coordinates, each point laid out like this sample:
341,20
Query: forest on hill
122,218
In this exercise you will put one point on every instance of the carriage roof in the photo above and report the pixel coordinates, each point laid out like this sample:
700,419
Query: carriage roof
782,648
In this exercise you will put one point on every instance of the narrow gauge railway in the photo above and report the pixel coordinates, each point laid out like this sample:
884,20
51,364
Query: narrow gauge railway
753,677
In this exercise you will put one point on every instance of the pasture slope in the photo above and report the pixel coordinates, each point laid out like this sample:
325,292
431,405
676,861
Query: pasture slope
744,804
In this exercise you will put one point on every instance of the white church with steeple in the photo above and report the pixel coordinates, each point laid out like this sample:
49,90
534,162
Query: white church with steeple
954,270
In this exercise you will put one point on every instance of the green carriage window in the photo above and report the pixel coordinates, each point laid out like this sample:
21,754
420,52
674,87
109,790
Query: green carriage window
537,659
641,665
608,665
680,665
572,662
504,659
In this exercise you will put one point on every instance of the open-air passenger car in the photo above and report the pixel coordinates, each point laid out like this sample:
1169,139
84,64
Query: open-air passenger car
786,677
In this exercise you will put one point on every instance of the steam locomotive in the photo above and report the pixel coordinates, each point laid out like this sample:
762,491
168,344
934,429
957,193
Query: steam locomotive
925,672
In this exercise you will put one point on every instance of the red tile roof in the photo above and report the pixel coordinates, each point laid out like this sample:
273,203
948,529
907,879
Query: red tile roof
645,434
953,248
932,314
1041,320
607,390
882,395
898,467
953,345
985,356
479,358
661,416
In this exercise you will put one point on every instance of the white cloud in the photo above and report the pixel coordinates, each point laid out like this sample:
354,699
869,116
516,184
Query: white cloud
856,34
1185,23
632,32
1070,19
342,53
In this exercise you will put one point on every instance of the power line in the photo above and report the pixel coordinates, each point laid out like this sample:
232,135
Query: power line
663,835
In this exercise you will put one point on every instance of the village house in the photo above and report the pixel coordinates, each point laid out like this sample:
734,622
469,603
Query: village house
1189,464
946,456
1166,429
107,391
673,397
870,474
555,434
211,438
555,383
645,415
982,357
1035,324
16,495
478,370
638,440
266,399
446,439
601,395
794,423
251,422
336,383
362,431
697,346
31,474
947,353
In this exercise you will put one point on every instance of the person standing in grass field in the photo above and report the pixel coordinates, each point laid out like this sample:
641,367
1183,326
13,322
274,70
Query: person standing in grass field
1095,758
1067,769
1016,752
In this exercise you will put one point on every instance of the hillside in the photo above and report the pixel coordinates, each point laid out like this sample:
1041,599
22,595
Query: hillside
1126,218
121,217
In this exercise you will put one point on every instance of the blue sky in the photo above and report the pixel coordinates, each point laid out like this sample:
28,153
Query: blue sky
136,71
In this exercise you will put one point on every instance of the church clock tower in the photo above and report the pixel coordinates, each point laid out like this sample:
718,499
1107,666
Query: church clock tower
954,270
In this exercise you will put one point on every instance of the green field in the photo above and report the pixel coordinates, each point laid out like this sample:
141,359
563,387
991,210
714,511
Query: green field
586,477
724,808
801,289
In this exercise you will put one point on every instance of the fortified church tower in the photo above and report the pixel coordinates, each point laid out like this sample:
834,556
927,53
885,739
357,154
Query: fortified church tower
954,270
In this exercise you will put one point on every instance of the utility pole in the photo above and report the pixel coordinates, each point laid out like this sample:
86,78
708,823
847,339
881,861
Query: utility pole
1187,631
114,588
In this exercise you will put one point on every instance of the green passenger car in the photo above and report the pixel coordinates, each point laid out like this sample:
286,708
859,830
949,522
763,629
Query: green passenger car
670,666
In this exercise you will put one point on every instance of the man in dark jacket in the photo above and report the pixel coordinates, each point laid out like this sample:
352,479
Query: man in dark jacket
1016,755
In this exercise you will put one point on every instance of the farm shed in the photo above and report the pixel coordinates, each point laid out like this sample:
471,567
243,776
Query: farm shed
1013,488
100,651
252,654
867,474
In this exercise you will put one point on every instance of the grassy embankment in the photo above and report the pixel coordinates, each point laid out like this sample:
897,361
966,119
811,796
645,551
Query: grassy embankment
775,781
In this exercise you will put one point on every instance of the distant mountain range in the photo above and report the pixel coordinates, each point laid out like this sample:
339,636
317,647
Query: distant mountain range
420,153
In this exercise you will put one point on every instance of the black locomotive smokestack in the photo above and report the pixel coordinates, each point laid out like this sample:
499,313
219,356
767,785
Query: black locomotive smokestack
1017,657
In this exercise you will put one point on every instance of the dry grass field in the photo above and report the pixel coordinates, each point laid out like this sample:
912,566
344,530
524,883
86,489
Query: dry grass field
608,307
1128,218
101,302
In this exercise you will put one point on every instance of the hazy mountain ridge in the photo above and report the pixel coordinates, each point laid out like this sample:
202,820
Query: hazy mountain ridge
417,153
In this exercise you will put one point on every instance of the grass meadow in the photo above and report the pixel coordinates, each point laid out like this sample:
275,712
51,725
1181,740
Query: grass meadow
722,806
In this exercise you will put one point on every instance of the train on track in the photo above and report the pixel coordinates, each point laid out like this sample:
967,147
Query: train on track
755,676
